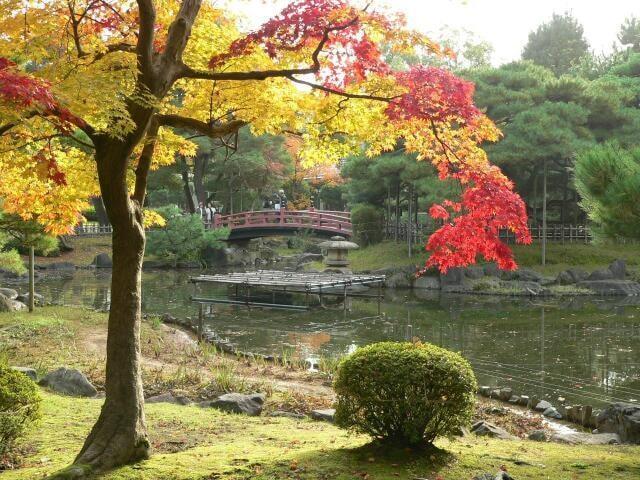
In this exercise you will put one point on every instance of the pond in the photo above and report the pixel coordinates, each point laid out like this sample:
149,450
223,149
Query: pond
586,349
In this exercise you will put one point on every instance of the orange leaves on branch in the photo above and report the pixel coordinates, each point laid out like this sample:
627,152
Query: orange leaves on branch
47,167
33,96
433,94
349,53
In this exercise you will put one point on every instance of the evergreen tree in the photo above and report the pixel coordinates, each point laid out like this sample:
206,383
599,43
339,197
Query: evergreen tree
630,34
608,179
557,44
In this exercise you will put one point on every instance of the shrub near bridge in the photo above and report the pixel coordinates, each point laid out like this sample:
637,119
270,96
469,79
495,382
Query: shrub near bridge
368,223
19,405
404,393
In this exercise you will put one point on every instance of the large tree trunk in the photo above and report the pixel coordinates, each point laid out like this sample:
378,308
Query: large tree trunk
120,435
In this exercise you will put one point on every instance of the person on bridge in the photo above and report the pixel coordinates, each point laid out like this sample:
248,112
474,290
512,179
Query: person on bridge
283,199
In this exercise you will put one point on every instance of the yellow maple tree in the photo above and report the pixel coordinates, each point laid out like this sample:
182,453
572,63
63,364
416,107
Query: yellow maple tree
92,91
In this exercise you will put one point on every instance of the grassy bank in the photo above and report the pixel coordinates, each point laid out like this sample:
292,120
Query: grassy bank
171,360
85,249
191,443
559,257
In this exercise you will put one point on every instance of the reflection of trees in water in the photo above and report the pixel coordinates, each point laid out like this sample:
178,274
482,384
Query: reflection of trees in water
590,345
102,298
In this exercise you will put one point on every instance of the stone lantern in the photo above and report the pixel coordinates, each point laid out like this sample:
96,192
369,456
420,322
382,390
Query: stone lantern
337,249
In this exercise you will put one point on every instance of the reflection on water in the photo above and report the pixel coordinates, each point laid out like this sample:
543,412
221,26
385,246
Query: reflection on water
586,349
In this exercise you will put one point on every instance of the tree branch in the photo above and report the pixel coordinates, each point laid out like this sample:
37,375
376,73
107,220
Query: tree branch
180,31
212,131
144,49
6,127
187,72
341,93
144,162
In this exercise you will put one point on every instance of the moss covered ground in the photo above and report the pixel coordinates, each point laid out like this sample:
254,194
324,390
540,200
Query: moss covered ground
192,443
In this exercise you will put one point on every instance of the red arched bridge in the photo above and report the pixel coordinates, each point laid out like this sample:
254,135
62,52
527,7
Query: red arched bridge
247,225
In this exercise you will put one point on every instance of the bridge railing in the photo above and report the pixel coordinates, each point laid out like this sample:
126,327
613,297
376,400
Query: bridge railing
299,219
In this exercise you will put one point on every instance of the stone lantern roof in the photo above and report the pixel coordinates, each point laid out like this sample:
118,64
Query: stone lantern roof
338,243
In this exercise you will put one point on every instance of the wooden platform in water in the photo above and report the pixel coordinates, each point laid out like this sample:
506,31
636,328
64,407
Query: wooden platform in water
305,281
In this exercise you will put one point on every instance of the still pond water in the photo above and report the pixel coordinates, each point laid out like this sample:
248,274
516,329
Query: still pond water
586,349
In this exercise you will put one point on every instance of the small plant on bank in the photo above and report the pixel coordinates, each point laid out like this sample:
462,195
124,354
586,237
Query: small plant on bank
404,393
19,406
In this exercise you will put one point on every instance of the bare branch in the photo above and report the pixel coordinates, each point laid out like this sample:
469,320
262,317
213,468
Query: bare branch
188,72
6,127
147,13
180,31
144,162
341,93
212,131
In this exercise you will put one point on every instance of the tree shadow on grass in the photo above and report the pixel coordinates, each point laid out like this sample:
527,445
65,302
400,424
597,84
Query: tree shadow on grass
371,461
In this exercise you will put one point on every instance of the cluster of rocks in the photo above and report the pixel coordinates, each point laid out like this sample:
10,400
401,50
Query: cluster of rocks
488,279
617,423
69,381
246,404
12,301
501,475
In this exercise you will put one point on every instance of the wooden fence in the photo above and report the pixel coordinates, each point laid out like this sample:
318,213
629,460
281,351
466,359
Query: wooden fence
555,233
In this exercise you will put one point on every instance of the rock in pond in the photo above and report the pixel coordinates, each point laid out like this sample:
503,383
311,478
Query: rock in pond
37,299
542,405
612,287
102,260
10,293
60,266
6,305
427,283
70,382
325,415
483,428
169,398
29,372
454,276
602,274
619,269
622,419
552,412
238,403
571,276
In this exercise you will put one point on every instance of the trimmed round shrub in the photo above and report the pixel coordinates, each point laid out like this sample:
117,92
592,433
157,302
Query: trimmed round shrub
368,224
405,393
19,405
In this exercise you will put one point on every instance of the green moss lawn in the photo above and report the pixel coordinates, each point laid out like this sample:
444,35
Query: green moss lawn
192,443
